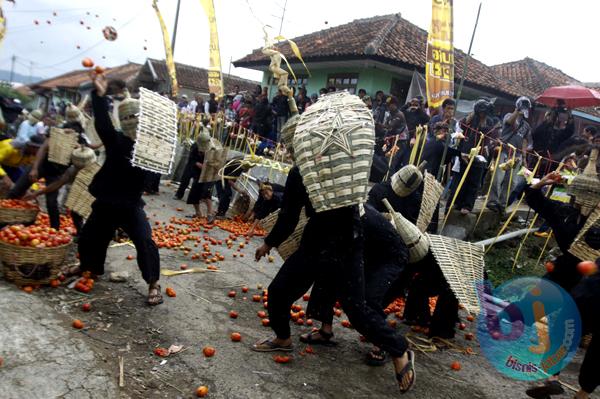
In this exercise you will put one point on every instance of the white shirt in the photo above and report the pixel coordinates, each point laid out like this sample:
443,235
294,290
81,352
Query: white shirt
192,106
206,107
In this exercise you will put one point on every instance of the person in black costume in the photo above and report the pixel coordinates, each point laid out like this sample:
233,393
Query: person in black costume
232,170
118,188
200,191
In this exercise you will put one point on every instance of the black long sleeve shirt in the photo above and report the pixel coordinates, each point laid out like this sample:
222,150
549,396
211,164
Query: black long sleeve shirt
382,242
408,206
117,182
433,152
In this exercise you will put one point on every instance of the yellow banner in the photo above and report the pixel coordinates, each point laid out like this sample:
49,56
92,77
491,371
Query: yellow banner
215,77
439,69
168,52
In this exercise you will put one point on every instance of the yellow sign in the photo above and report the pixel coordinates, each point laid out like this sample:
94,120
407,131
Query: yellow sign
439,69
168,51
215,77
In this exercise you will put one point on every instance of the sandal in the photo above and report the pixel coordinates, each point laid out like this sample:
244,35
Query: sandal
325,338
410,367
545,391
156,298
377,357
268,345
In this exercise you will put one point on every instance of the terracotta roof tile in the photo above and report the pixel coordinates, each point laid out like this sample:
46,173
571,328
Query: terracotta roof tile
75,78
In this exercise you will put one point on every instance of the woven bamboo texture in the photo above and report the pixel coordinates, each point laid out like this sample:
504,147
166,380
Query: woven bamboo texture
154,148
586,186
406,180
462,264
289,246
416,242
90,131
432,191
240,205
61,144
28,265
214,160
334,143
580,248
16,216
79,199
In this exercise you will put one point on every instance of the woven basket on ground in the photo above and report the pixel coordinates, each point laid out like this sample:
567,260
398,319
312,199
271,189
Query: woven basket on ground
214,160
240,205
432,191
580,248
28,265
80,200
16,216
334,143
61,144
289,246
462,264
154,148
586,186
416,242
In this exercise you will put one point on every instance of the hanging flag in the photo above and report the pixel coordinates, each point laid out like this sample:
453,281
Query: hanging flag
168,51
439,69
2,23
215,77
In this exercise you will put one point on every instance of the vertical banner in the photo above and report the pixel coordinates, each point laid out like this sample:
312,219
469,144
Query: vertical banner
168,51
439,69
215,77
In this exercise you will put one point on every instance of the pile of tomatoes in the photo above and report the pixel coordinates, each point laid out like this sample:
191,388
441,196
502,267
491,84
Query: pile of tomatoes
17,204
66,223
34,236
239,227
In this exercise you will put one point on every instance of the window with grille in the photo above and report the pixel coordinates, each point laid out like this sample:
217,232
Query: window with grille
343,81
301,80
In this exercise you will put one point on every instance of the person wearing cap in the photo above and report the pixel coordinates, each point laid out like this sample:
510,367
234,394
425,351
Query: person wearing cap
118,187
31,126
516,132
200,191
182,105
12,159
414,115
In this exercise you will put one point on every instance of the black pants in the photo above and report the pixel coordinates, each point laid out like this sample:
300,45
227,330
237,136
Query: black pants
340,269
77,222
468,192
152,182
22,185
184,182
99,230
224,194
589,377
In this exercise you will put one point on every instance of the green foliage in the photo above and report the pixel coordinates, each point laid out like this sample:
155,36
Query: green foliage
7,91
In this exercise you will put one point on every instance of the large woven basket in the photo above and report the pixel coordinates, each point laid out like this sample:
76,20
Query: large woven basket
240,205
333,146
214,160
61,144
462,264
586,186
432,191
580,248
28,266
79,199
16,216
289,246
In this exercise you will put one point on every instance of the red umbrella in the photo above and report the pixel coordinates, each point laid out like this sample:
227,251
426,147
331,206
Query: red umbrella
572,96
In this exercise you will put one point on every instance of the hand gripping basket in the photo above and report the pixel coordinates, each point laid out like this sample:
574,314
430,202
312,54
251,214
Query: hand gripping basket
29,266
289,246
18,215
334,143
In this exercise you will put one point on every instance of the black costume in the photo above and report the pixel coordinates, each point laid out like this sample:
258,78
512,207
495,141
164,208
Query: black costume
433,153
118,188
152,182
188,171
199,191
224,192
408,206
330,252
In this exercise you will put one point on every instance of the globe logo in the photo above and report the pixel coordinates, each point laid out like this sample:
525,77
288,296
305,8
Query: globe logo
529,328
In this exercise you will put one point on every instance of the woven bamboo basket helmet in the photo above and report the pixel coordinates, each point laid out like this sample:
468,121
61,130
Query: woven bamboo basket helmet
129,111
406,180
203,140
73,114
416,242
82,157
287,132
333,147
586,186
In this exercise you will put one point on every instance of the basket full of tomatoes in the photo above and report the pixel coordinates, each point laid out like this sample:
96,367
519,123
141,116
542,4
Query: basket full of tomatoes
17,211
32,254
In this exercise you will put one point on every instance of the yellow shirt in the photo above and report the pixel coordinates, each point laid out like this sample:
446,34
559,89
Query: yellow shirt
11,156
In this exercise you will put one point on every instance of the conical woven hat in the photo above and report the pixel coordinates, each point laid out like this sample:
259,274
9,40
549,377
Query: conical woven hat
432,191
586,186
416,242
82,157
406,180
462,264
203,140
333,145
73,114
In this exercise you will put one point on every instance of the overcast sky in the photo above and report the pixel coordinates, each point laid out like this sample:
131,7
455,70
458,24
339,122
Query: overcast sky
561,34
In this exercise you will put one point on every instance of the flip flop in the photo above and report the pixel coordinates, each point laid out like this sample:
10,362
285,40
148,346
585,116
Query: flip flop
152,299
410,366
377,357
545,391
269,346
325,339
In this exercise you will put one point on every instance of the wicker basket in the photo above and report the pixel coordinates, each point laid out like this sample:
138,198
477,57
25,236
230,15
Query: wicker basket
240,205
61,144
16,216
416,242
586,186
27,265
462,264
580,248
432,191
289,246
406,180
214,160
79,199
333,146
